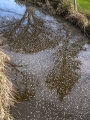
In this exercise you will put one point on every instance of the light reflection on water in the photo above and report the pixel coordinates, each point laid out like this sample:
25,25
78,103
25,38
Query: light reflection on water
49,65
10,5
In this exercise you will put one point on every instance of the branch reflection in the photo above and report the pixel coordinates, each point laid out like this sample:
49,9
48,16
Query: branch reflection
25,83
66,71
29,33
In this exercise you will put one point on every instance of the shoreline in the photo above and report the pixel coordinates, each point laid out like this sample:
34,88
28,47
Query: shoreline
6,87
72,16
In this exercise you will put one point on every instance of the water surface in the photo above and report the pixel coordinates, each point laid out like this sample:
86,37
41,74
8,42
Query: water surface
49,64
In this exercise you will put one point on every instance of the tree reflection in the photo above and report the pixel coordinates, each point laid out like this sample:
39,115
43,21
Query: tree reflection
66,71
25,83
28,34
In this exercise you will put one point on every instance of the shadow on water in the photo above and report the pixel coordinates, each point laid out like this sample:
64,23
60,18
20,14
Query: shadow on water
46,64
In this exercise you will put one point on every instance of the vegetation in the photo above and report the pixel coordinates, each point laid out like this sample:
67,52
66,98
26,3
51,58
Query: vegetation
66,9
83,5
6,90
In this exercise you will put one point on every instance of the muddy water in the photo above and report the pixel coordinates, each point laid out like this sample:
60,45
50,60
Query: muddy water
49,64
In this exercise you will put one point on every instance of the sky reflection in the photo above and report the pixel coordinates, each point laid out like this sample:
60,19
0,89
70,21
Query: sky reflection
9,8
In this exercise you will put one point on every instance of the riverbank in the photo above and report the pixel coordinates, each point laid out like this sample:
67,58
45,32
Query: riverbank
75,17
6,88
67,11
80,20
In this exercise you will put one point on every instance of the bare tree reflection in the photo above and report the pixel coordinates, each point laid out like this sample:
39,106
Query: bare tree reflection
66,71
28,34
25,83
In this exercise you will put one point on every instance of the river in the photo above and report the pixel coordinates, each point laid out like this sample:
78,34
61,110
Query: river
50,64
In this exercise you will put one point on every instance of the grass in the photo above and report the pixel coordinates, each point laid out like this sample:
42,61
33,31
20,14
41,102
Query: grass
6,89
83,5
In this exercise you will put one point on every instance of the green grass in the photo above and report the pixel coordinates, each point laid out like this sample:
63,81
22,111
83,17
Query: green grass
83,5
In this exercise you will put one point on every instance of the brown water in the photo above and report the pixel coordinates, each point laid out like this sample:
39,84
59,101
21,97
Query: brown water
49,64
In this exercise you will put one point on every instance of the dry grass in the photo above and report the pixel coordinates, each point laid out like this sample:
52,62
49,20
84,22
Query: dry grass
79,20
6,89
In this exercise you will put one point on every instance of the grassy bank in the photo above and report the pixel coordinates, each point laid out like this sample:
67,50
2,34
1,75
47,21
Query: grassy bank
6,90
83,6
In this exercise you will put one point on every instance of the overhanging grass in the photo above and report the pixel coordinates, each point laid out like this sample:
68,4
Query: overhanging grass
6,90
